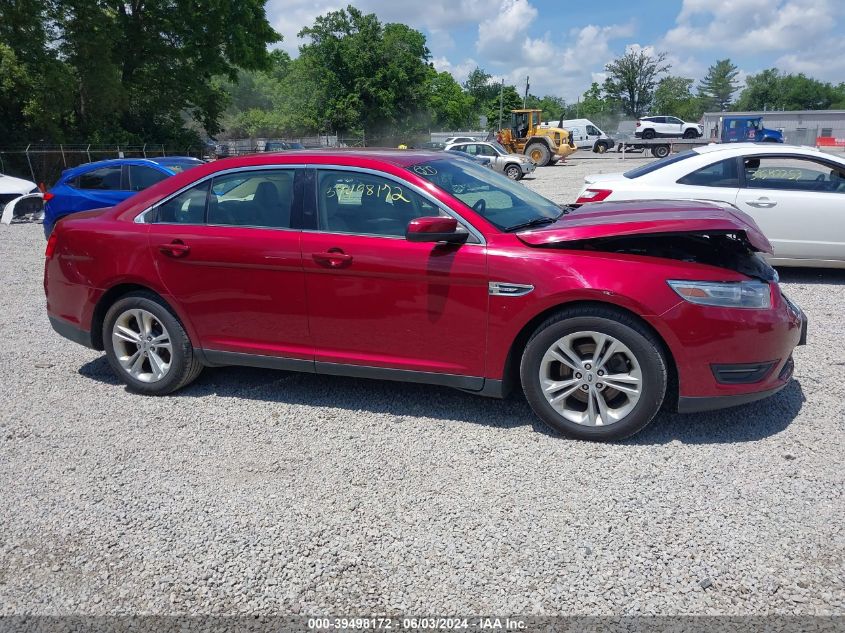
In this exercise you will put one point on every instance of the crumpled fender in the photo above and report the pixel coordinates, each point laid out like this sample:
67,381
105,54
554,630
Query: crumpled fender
13,209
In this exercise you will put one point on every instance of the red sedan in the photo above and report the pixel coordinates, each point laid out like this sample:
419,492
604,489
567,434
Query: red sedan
419,266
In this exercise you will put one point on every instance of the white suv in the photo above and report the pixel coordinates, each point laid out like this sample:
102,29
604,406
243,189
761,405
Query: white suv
666,127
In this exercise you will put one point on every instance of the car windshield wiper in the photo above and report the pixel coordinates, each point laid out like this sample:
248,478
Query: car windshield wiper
539,221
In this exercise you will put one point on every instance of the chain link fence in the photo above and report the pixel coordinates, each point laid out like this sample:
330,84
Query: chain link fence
45,163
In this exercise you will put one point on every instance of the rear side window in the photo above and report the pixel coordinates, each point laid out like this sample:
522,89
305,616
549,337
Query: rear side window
721,174
186,208
103,179
141,177
658,164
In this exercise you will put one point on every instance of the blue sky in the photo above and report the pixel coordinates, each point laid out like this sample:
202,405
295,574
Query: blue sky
564,44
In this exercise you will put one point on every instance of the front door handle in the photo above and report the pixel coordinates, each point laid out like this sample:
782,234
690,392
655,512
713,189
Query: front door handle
176,248
761,203
332,258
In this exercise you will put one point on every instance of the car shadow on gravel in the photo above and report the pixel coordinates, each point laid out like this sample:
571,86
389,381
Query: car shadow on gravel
383,397
747,423
740,424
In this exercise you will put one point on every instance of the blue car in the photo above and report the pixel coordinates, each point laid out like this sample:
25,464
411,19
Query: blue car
106,183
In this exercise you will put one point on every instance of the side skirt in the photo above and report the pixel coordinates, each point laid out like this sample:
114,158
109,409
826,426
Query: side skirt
471,384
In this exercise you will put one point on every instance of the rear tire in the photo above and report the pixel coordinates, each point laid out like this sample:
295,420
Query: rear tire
647,134
147,347
594,373
539,154
660,151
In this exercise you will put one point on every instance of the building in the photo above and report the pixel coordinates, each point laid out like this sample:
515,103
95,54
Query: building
799,127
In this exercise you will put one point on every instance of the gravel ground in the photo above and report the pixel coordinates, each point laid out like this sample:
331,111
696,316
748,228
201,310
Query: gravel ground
271,492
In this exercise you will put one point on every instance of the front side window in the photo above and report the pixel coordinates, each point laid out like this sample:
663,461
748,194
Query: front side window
141,177
367,204
103,179
592,131
501,201
721,174
672,119
793,174
252,198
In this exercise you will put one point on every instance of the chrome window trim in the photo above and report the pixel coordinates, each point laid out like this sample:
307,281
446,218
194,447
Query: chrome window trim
141,219
418,190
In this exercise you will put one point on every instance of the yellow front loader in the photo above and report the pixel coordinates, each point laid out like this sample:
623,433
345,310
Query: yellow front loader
543,145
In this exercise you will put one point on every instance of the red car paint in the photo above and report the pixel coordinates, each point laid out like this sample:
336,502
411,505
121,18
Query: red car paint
351,300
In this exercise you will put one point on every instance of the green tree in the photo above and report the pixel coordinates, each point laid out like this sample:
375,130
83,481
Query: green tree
478,85
451,107
122,70
368,76
673,96
632,79
773,90
719,85
511,100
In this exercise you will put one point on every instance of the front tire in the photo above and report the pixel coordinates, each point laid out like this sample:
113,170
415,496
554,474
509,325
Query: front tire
147,347
594,374
601,148
690,134
513,172
539,154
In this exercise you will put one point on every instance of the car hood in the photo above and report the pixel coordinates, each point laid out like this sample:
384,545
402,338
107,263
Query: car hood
10,184
647,217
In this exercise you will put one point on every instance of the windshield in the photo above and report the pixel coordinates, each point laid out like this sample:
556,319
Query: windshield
499,147
495,197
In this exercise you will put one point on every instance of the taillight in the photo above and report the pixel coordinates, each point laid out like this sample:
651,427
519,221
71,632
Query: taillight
639,123
51,245
593,195
48,196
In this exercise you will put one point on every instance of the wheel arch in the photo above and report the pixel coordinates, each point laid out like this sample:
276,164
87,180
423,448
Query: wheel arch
115,293
510,377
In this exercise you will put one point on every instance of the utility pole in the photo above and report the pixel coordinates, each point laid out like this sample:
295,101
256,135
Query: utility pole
501,101
525,98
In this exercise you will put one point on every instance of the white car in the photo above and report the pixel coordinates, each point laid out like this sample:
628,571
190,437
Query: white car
514,166
459,139
795,194
18,198
666,127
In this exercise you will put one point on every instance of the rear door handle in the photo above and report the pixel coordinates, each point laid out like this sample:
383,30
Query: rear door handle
332,258
761,203
176,248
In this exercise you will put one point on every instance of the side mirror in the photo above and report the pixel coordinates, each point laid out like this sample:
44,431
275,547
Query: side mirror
435,229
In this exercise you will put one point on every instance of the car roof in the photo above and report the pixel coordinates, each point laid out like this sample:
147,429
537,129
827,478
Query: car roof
738,149
112,162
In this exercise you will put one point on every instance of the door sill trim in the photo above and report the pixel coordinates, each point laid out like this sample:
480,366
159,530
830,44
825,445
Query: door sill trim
218,358
467,383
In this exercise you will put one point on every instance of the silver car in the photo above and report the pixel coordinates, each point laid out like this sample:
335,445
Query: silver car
514,166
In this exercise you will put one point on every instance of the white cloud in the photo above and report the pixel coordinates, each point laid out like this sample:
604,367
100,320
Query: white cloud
500,36
288,17
459,71
825,61
749,25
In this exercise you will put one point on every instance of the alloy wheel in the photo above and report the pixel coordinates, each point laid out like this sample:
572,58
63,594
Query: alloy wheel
142,345
591,378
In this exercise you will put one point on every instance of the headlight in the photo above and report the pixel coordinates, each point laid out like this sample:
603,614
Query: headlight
740,294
